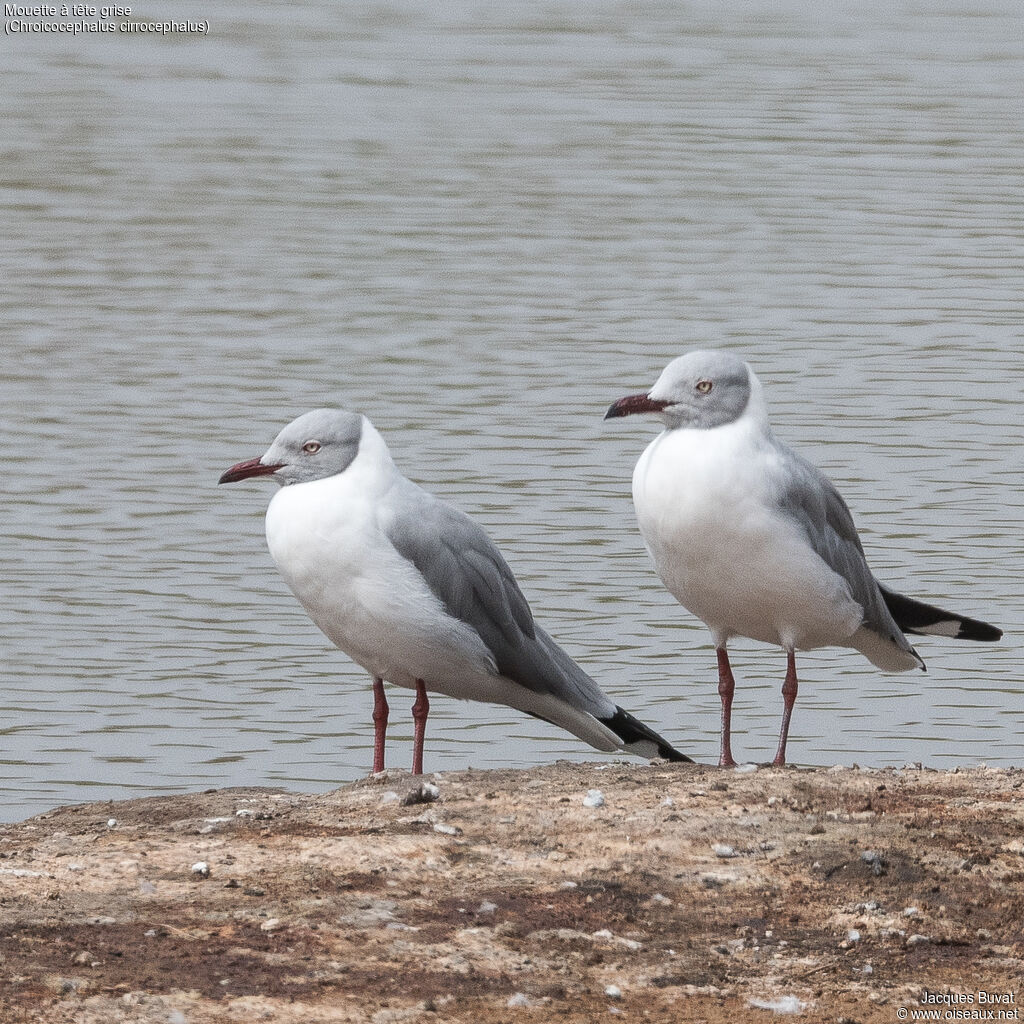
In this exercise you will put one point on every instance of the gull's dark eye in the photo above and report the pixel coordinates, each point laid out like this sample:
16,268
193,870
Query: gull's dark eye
312,447
704,386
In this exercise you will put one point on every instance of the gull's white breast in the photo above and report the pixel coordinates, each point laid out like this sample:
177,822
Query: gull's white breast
705,504
327,542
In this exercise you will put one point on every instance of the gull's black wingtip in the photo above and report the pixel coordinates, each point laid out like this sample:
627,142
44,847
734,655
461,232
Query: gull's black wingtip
642,740
922,619
975,629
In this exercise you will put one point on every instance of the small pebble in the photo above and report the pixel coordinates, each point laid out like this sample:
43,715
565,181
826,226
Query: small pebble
853,935
594,798
613,992
668,802
745,769
516,1000
201,868
111,822
911,912
784,1004
447,830
875,859
917,940
424,793
722,850
272,924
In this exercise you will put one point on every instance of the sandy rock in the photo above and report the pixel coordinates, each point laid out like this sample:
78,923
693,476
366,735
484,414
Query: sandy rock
346,907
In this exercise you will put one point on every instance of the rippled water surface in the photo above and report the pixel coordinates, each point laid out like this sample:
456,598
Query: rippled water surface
480,224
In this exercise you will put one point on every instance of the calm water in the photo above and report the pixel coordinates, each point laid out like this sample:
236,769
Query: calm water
480,226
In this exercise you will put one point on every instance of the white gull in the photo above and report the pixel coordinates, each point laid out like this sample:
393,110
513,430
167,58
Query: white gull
756,541
414,591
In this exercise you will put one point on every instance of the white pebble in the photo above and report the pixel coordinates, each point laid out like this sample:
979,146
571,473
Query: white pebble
911,912
201,868
745,769
516,1000
111,822
613,992
723,850
917,940
668,802
594,798
784,1004
272,924
853,935
447,830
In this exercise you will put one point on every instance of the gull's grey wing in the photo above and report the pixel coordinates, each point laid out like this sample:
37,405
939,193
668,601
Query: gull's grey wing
465,570
808,497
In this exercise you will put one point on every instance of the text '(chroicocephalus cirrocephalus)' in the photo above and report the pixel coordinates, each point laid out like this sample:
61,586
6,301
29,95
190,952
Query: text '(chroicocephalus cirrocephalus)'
756,541
415,592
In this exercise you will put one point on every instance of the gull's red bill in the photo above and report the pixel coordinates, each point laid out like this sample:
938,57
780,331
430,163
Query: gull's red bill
634,403
251,467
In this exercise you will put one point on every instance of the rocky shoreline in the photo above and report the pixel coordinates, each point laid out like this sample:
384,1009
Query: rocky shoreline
569,892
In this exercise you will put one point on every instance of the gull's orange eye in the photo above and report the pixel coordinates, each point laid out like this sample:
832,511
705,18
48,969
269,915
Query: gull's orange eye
311,447
704,386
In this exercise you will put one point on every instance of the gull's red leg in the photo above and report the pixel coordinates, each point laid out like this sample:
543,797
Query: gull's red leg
380,723
420,710
726,686
788,700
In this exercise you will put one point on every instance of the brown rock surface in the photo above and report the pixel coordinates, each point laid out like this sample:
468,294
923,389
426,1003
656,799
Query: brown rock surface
692,894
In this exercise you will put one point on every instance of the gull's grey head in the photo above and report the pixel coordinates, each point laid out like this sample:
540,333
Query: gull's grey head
318,444
701,390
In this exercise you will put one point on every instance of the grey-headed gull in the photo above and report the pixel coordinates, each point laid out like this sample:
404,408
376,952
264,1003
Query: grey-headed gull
756,541
415,592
